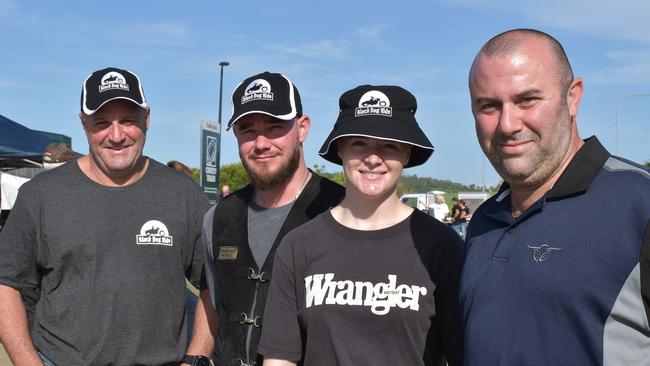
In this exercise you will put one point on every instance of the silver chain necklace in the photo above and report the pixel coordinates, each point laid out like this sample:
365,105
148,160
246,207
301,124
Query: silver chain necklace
303,185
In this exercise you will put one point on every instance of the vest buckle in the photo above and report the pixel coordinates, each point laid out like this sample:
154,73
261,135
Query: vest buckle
245,320
256,276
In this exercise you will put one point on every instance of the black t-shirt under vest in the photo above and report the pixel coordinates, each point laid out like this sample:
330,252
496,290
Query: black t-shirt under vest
241,286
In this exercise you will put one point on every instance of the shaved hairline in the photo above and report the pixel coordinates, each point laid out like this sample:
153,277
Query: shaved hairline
509,42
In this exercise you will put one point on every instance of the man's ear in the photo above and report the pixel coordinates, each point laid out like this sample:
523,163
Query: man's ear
574,96
147,115
304,123
82,118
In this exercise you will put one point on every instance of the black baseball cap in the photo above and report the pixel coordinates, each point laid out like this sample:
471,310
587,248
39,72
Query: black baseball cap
267,93
383,112
108,84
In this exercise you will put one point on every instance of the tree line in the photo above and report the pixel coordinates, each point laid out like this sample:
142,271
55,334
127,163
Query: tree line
234,175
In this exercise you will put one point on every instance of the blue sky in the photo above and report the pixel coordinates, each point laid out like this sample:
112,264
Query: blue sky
326,47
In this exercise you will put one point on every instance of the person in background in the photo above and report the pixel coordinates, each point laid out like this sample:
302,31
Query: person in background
455,217
439,208
56,154
465,215
371,281
225,191
178,166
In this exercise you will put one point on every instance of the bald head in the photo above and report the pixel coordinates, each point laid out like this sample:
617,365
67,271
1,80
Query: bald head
512,41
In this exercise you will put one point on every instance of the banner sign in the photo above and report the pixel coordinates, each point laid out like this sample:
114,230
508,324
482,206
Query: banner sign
210,153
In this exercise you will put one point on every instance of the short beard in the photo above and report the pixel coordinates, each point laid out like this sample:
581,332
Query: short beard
273,180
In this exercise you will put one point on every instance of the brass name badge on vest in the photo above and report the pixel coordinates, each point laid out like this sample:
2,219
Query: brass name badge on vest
227,253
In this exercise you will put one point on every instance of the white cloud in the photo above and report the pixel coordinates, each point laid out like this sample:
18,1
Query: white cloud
165,32
626,19
317,49
370,33
8,84
623,19
628,55
335,49
7,7
636,73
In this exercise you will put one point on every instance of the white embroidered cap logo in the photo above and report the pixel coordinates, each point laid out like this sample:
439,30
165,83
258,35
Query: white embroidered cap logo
154,232
256,90
374,102
113,80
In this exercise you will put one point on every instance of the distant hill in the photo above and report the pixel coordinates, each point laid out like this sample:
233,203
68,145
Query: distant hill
235,176
413,183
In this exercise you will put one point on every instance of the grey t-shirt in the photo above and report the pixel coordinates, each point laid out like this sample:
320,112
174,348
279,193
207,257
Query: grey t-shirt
264,224
108,263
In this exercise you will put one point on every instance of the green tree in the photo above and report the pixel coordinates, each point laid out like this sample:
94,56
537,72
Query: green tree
337,177
233,175
647,163
196,173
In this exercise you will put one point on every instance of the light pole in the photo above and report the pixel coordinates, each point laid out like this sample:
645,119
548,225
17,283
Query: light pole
222,64
618,105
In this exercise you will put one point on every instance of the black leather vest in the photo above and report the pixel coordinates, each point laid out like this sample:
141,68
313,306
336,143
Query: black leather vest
242,287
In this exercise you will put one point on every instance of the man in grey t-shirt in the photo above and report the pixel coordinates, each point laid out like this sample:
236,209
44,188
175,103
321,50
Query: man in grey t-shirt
243,230
98,249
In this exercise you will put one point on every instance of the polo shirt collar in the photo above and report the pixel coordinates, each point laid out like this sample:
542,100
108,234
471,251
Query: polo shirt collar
581,171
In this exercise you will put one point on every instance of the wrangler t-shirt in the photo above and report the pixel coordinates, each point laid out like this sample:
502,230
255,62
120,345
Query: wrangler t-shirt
341,296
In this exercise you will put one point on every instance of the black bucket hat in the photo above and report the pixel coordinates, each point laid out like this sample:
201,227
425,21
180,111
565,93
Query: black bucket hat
267,93
383,112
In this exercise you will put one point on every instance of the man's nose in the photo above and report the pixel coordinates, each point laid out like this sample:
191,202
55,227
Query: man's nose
509,120
116,132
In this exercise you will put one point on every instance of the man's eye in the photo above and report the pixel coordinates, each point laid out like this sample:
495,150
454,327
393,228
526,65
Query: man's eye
528,102
488,108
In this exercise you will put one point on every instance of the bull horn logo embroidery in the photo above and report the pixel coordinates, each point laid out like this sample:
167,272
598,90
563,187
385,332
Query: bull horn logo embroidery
542,252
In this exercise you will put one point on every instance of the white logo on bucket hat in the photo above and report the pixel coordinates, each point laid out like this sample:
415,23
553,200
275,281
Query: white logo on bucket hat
373,102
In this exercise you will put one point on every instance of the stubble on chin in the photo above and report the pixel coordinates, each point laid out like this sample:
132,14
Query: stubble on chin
265,180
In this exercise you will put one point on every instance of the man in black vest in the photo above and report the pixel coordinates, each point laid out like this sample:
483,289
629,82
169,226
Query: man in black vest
244,229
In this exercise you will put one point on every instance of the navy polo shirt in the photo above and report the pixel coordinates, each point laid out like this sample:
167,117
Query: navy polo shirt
567,283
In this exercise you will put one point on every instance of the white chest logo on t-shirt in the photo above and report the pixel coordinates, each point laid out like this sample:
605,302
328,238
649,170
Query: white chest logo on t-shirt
381,297
154,232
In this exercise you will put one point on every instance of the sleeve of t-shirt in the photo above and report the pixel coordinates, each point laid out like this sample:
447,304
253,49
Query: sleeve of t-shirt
209,268
644,264
201,204
281,337
446,299
18,256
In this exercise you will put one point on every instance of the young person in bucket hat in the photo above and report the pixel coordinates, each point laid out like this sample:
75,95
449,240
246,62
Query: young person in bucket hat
371,281
100,247
244,229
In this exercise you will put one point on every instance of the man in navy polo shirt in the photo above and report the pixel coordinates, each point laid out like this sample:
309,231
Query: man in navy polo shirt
557,264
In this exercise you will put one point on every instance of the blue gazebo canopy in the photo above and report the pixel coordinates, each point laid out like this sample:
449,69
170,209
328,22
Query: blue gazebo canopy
18,141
